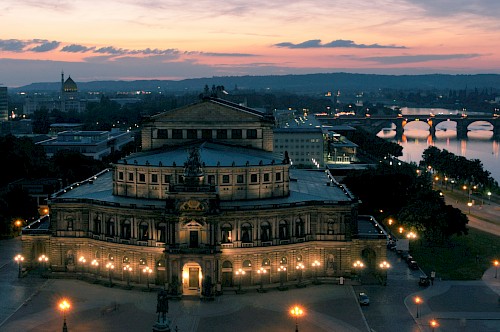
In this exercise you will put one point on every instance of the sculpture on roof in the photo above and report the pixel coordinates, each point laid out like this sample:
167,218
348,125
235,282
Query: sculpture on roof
193,171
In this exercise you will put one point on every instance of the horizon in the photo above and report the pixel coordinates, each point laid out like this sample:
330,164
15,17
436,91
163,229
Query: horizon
174,40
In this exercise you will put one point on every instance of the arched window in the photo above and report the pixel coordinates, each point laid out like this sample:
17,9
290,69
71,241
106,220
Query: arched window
110,227
162,232
226,233
283,260
284,233
69,223
330,227
126,230
299,228
227,265
126,260
246,233
143,231
299,258
142,261
111,257
265,232
97,226
247,263
266,262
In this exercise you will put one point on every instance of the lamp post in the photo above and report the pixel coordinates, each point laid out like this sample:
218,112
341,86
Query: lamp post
418,300
147,270
95,264
110,266
240,273
384,266
82,261
262,271
489,197
496,263
296,312
64,305
127,268
434,324
469,204
315,266
19,259
43,260
358,265
299,267
282,271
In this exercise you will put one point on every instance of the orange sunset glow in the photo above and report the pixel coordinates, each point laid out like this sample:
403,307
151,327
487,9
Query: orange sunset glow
98,40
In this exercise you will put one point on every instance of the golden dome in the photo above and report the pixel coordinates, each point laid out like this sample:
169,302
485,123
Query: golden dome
70,85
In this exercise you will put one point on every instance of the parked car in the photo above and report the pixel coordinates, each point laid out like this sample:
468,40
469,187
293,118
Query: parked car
424,281
413,265
363,299
408,259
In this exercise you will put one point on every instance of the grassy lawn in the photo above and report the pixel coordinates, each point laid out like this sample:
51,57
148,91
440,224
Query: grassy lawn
463,258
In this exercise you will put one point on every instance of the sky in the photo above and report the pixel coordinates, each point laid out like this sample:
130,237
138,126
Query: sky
177,39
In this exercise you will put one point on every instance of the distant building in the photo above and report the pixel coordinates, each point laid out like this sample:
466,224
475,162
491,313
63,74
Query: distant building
4,106
60,127
304,146
95,144
70,100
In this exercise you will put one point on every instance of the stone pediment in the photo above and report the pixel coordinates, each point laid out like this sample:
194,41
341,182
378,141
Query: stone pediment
210,111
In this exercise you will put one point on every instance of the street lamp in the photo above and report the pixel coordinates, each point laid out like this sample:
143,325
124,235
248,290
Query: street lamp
296,312
261,272
411,235
384,266
110,266
357,266
43,260
315,266
64,305
299,267
19,259
489,197
434,324
282,271
95,264
496,263
82,261
401,229
240,273
127,268
147,270
469,204
418,300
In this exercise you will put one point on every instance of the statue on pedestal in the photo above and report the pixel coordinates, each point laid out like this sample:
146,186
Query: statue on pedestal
163,323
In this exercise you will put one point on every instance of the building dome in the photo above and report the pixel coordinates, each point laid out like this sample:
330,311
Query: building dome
70,85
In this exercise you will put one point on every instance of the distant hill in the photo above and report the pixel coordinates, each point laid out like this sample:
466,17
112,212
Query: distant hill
309,83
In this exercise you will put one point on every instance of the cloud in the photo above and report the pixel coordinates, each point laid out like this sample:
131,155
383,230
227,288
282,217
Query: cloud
214,54
399,59
443,8
111,50
12,45
75,48
339,43
45,46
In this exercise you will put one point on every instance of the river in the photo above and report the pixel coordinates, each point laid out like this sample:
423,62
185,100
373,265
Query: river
479,144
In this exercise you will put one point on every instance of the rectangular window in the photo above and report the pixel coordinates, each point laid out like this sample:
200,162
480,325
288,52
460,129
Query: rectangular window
154,178
221,134
211,179
167,178
251,133
278,176
236,134
142,177
240,178
225,179
177,133
254,178
180,179
266,177
131,176
206,133
192,134
120,175
162,133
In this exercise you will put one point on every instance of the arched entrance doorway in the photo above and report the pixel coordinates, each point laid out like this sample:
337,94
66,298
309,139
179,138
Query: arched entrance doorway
192,277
